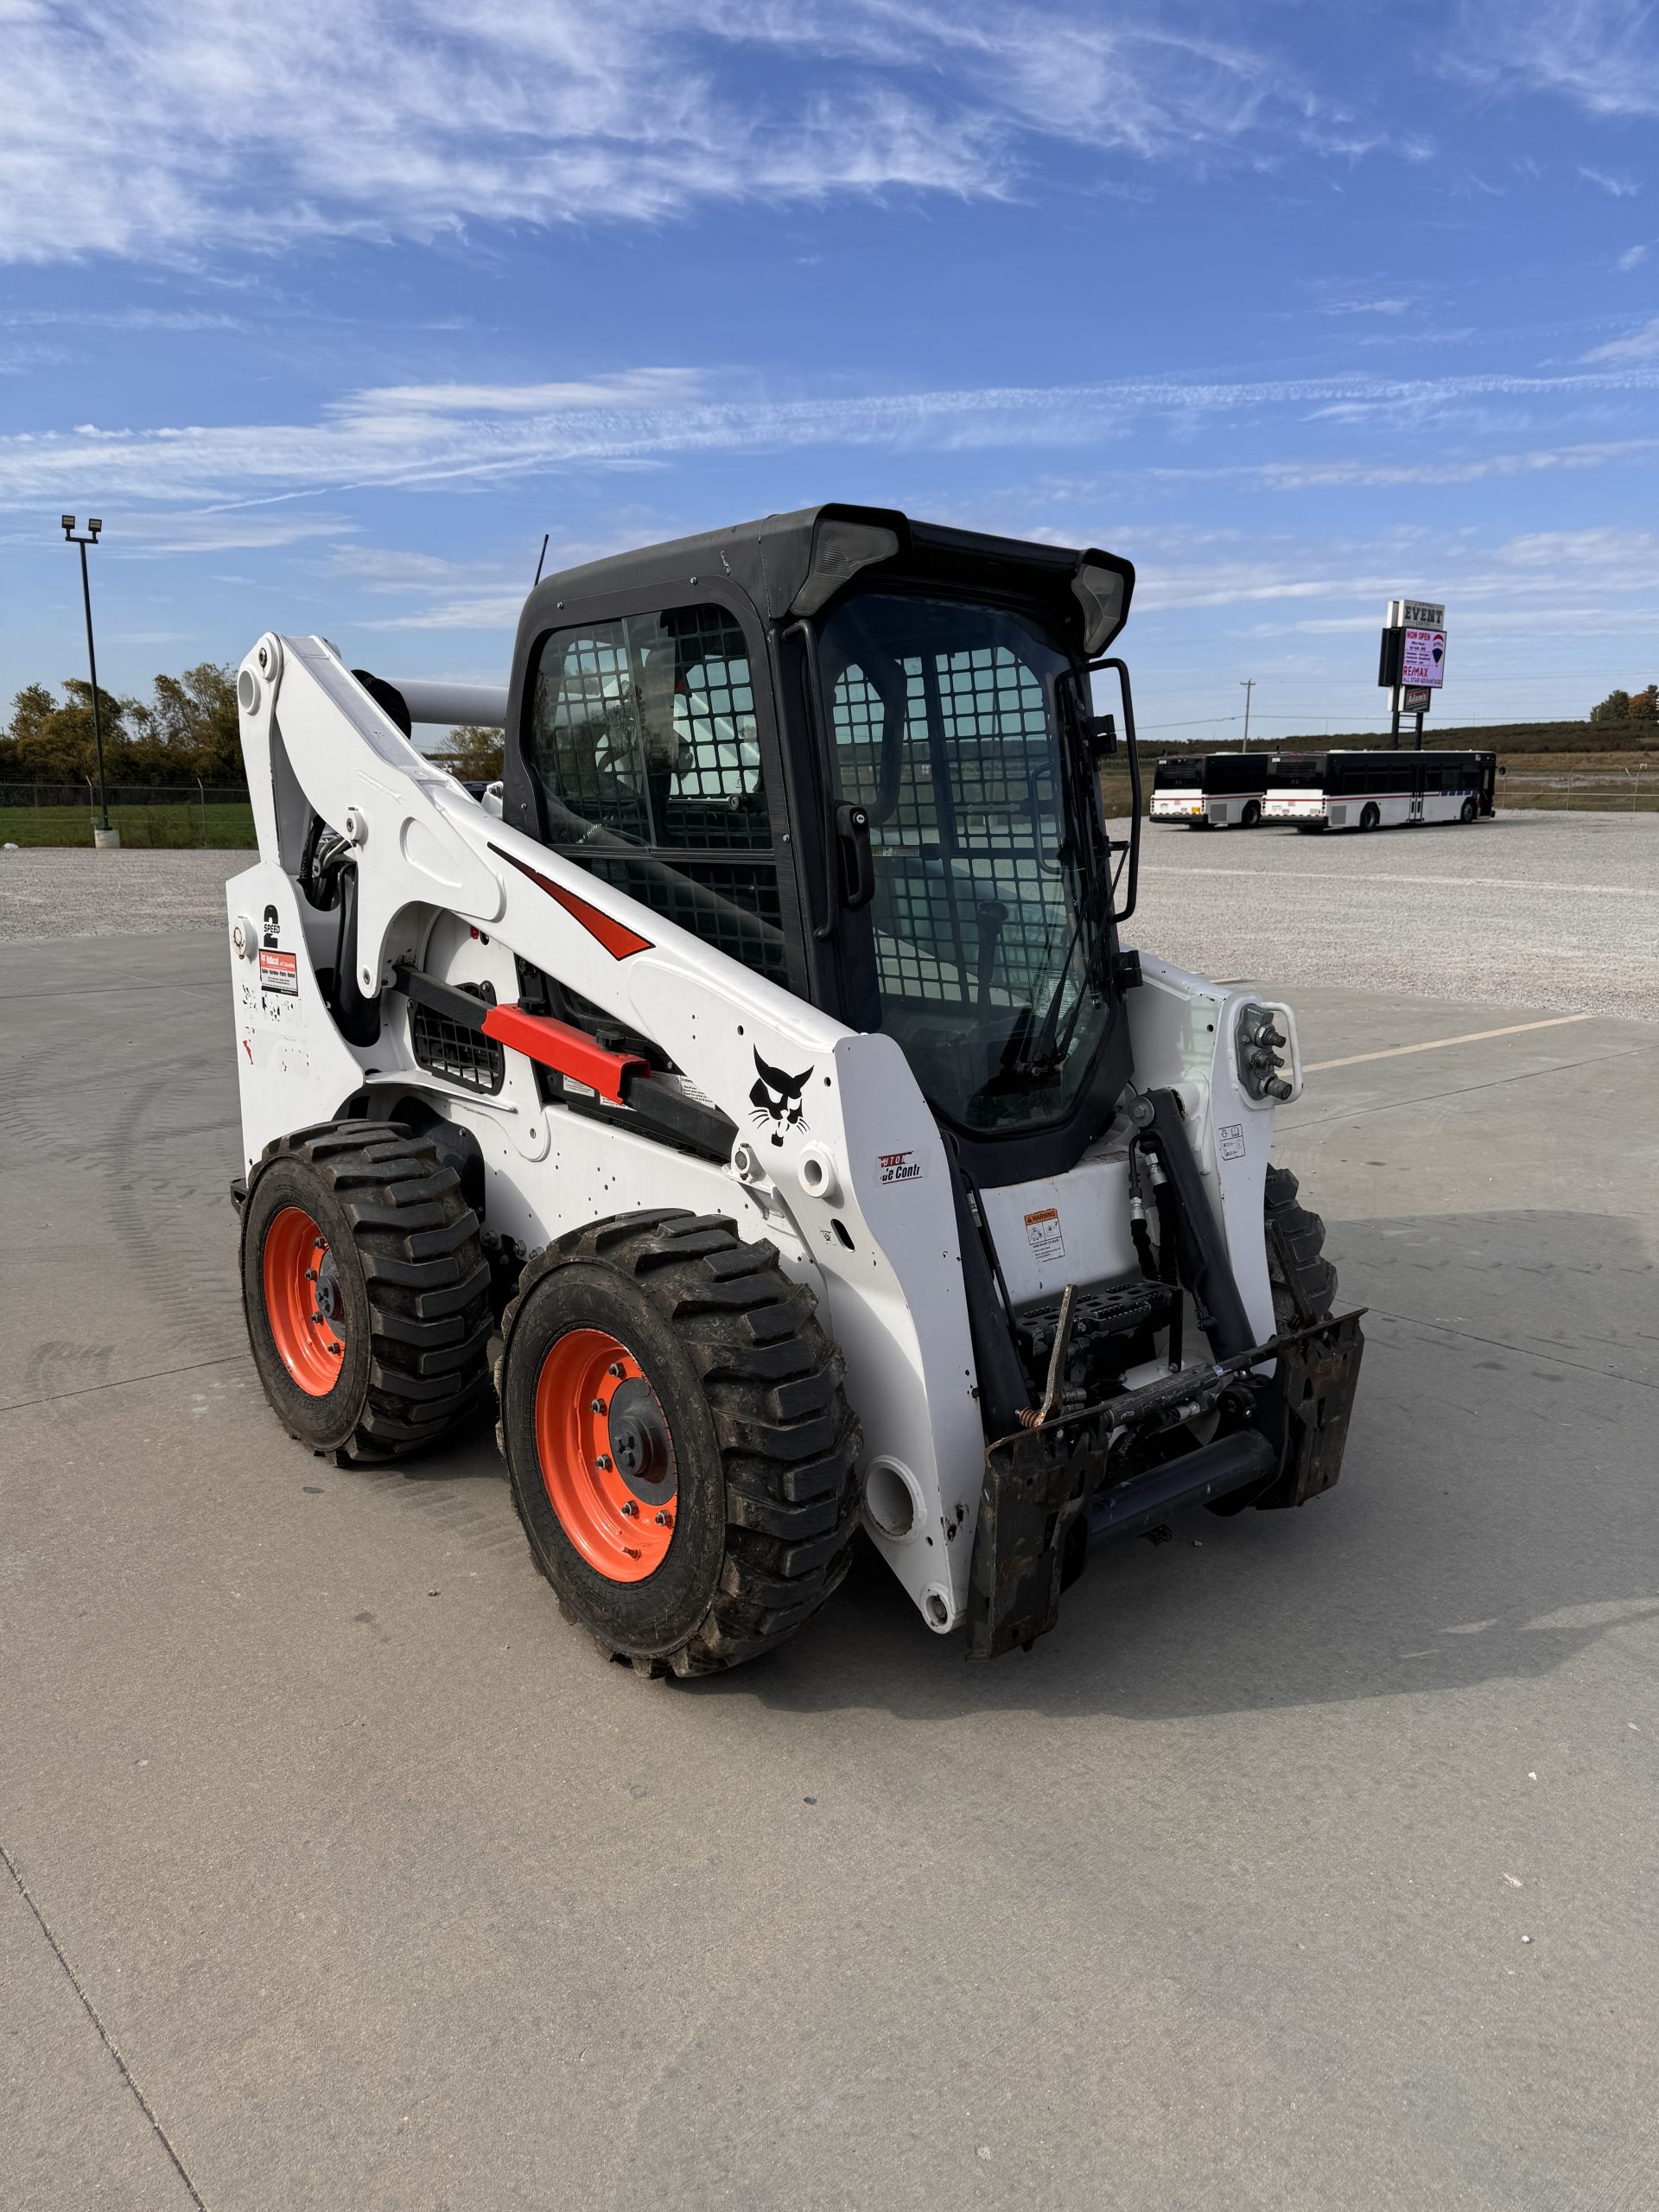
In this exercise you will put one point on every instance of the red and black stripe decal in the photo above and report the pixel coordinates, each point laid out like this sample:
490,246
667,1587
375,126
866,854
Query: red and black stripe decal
616,937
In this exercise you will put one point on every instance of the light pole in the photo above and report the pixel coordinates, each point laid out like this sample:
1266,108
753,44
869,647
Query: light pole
1247,683
93,525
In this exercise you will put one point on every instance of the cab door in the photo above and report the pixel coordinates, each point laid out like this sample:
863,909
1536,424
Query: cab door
650,741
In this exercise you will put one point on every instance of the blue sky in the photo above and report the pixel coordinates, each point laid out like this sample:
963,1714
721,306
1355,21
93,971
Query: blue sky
331,311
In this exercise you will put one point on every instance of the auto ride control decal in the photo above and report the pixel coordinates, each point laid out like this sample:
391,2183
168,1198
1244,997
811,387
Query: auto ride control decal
897,1168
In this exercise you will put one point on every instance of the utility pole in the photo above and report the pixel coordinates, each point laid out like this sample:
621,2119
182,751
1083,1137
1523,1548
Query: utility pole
93,526
1248,685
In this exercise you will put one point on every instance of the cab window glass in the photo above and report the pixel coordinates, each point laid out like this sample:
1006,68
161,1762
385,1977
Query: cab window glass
641,737
645,727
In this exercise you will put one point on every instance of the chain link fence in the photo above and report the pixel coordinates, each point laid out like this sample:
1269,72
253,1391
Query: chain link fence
85,794
148,816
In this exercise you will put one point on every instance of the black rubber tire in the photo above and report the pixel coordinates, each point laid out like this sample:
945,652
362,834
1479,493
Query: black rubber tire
1251,816
1304,1280
765,1444
1470,811
1369,816
413,1279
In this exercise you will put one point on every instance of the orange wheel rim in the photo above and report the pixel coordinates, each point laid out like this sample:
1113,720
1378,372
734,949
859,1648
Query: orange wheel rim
304,1301
606,1454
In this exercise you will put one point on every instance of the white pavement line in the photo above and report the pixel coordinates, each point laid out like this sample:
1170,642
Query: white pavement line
1435,1044
1369,875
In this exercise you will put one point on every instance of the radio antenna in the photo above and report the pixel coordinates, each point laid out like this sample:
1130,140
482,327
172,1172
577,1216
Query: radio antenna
541,557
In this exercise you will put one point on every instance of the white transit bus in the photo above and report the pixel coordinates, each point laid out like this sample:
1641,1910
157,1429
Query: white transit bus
1213,791
1378,789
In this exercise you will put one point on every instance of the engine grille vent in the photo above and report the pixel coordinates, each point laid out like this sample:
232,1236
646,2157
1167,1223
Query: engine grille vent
462,1056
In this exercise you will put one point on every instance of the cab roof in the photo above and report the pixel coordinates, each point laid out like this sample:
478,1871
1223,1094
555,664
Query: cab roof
772,560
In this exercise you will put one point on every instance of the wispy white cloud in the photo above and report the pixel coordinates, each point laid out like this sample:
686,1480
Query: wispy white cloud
1448,468
1489,585
440,594
1365,307
1632,257
166,127
1641,344
137,535
1601,55
384,568
420,436
479,609
132,318
632,388
1616,187
1620,559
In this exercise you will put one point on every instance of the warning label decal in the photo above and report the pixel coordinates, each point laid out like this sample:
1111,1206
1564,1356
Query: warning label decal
279,971
1043,1232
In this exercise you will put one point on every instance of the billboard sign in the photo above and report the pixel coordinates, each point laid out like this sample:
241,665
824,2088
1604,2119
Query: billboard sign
1422,657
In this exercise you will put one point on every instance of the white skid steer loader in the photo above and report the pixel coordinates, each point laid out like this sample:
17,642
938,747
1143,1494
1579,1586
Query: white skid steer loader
755,1091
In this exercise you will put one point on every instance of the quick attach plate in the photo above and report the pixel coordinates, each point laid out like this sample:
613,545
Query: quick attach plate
1039,1482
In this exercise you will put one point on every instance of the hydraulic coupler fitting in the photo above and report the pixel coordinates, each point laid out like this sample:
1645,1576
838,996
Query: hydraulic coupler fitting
1259,1042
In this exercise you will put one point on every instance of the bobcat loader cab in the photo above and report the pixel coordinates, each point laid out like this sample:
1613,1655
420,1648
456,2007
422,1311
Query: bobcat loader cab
758,1091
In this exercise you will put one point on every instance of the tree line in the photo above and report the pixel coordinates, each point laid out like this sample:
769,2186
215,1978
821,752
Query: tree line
1629,707
184,733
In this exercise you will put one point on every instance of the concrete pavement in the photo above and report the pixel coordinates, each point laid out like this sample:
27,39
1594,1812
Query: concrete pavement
378,1888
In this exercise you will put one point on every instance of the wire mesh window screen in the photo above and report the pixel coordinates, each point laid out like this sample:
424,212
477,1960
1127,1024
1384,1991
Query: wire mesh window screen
642,738
943,717
731,904
715,799
965,828
585,738
645,728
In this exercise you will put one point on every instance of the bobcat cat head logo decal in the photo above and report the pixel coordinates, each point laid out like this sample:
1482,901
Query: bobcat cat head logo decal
777,1098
